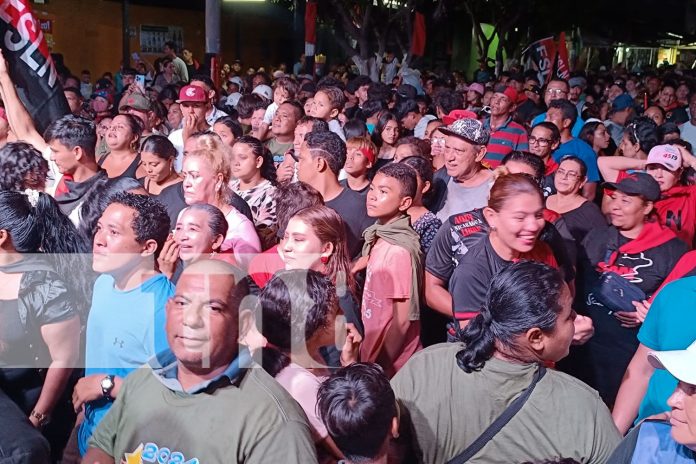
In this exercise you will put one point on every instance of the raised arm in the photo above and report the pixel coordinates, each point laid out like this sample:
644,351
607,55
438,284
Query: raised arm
610,166
17,115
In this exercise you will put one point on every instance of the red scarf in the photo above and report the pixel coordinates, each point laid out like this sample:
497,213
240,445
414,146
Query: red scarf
551,166
652,235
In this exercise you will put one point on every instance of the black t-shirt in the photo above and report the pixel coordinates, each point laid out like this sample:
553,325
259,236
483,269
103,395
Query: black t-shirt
677,115
452,242
172,198
583,219
602,361
350,206
471,278
461,231
362,191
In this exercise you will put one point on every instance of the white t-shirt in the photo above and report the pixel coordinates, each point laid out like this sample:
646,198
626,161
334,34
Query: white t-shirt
688,132
177,139
336,128
214,115
53,174
270,112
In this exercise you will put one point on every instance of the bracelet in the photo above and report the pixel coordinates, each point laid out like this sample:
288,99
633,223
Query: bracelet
41,417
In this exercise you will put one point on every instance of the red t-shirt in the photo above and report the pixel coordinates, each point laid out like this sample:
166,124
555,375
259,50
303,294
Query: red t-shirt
264,265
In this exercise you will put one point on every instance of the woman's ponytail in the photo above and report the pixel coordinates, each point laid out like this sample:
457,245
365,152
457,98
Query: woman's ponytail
479,343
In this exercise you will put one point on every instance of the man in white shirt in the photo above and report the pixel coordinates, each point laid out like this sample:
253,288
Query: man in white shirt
194,105
213,113
688,129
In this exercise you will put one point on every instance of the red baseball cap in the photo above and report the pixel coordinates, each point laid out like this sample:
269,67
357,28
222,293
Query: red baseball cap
193,94
508,91
455,115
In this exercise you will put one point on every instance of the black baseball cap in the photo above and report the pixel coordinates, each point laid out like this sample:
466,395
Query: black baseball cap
638,184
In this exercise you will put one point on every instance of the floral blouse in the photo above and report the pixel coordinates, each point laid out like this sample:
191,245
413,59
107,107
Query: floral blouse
427,227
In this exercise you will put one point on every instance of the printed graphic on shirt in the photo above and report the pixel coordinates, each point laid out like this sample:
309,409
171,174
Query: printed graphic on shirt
151,452
462,226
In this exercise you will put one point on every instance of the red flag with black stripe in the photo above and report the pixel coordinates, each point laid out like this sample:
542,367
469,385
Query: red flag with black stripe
30,64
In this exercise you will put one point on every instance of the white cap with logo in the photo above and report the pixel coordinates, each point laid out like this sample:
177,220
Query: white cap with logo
665,155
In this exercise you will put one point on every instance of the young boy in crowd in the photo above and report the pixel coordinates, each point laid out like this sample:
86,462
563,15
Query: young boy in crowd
358,407
392,292
361,155
328,104
284,89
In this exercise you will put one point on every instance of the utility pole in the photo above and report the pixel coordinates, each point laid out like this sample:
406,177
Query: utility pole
212,26
213,9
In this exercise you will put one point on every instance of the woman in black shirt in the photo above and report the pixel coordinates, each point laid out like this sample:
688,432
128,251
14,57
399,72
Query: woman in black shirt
580,214
637,248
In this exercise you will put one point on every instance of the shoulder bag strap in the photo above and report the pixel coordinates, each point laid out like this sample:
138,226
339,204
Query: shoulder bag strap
500,422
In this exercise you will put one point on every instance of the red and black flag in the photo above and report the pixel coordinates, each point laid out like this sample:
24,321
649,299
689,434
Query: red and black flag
542,54
562,62
30,64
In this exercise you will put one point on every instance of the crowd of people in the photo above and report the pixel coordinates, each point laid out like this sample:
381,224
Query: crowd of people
286,268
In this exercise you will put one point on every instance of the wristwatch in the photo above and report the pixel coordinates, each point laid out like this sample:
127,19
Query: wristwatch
107,384
42,418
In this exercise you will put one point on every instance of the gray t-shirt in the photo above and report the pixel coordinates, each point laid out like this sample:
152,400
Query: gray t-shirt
461,199
448,409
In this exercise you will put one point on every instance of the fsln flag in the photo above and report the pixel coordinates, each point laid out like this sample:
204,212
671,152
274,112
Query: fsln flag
30,64
542,54
562,63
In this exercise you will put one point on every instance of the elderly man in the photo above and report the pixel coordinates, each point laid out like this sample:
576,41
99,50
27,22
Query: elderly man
465,182
203,401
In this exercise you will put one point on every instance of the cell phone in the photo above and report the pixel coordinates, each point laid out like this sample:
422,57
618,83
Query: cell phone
140,81
135,56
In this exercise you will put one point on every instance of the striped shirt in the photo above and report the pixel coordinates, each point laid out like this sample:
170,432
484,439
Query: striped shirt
508,137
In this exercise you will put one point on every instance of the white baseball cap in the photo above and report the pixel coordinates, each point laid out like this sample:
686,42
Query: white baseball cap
679,363
264,90
665,155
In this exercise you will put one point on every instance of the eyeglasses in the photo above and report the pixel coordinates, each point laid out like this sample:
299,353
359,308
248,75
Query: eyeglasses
438,141
541,141
567,174
555,92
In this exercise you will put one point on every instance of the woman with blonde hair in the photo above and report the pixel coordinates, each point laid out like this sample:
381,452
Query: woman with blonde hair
206,172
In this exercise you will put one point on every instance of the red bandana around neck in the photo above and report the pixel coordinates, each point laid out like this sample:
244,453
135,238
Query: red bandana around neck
652,235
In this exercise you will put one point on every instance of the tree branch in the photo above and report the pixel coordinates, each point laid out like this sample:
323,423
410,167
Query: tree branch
348,26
